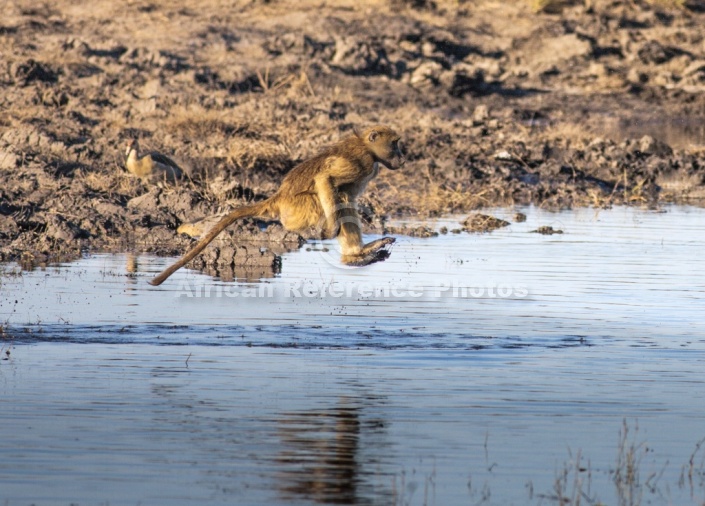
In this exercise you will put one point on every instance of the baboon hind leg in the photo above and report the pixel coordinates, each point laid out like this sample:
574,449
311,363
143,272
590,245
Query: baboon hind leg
370,253
354,252
300,212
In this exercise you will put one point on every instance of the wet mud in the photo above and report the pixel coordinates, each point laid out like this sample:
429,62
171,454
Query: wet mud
499,105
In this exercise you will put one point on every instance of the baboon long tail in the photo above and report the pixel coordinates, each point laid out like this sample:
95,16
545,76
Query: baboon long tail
261,209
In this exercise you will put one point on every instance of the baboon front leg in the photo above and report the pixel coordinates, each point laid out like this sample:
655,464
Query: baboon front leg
328,197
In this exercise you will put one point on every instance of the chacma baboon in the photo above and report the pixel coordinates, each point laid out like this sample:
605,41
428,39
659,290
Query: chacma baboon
322,192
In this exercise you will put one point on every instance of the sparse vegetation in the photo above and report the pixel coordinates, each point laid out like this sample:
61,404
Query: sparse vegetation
9,272
627,472
575,482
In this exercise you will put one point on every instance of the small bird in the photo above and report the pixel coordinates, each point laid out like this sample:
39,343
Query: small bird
153,167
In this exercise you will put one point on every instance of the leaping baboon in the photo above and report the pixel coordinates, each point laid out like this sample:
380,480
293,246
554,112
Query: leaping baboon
322,192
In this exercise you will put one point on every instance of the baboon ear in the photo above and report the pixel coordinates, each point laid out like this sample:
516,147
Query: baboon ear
373,135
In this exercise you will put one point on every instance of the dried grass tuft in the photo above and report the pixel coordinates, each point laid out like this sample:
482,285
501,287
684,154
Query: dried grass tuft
198,123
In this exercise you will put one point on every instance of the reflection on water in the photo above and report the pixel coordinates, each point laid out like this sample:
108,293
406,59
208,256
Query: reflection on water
247,273
466,369
620,275
319,451
321,458
230,261
127,424
248,262
132,264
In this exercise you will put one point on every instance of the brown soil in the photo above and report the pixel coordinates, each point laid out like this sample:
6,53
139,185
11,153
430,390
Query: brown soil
498,105
547,230
482,223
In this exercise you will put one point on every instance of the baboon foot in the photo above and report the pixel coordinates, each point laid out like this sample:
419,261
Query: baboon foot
371,253
377,245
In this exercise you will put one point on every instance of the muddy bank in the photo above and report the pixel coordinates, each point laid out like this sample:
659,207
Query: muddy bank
498,105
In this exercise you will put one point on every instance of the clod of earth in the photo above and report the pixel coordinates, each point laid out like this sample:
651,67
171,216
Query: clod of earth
547,230
420,231
482,223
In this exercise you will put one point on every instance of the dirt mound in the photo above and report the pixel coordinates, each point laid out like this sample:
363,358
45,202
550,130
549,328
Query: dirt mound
483,223
498,105
546,230
420,231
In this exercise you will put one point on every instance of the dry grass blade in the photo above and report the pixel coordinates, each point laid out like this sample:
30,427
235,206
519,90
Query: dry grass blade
627,472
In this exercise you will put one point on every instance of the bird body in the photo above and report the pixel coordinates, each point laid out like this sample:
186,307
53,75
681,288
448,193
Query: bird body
152,167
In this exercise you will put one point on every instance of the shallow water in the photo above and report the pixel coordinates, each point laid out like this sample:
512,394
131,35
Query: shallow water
466,369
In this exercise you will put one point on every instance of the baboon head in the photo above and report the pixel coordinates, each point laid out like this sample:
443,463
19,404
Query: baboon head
383,142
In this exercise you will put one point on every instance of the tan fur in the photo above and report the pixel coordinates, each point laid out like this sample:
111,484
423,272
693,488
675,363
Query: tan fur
321,193
152,167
